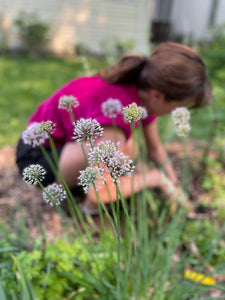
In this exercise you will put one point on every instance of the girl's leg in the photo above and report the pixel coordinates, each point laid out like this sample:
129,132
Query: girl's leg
72,158
71,161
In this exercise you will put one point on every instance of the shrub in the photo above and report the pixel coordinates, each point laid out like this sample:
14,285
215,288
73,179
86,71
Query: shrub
33,31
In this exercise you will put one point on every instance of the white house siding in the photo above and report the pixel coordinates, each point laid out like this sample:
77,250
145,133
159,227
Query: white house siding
82,21
191,17
220,13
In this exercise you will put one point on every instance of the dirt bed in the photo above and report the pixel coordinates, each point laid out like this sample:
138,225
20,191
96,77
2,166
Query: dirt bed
14,192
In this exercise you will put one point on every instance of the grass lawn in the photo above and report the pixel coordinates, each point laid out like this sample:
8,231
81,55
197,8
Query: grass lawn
25,82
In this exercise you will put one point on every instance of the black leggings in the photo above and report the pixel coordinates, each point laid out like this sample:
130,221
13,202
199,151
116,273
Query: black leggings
27,155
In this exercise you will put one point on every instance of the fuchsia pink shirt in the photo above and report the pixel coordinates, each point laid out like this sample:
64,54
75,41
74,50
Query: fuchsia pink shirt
90,92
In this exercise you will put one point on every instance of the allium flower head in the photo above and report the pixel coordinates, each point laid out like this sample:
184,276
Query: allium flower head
132,113
87,128
183,129
101,153
37,133
144,113
120,165
31,136
46,127
111,108
111,160
181,115
34,174
54,194
67,102
89,176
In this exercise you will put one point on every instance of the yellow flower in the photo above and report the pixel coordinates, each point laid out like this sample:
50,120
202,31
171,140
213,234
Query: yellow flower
199,277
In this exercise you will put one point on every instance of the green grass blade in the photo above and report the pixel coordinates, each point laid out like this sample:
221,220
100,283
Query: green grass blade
24,281
2,293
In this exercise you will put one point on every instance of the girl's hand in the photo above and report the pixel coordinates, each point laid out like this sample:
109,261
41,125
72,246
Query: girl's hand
175,194
170,173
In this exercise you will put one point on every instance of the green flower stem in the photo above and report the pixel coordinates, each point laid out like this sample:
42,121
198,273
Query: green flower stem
54,151
97,194
73,208
84,153
71,115
49,160
185,168
132,199
131,225
118,235
115,130
102,205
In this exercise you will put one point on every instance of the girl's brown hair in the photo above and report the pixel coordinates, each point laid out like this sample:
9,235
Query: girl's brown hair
174,69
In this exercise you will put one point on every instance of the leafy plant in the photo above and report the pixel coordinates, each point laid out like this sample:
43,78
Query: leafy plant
65,269
215,185
33,31
208,238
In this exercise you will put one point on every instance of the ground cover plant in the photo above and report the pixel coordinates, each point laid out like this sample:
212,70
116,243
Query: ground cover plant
155,258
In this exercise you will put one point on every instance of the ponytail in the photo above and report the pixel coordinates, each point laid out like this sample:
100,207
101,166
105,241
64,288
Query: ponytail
127,71
173,69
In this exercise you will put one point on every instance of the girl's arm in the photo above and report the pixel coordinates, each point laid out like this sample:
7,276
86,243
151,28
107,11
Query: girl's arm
157,152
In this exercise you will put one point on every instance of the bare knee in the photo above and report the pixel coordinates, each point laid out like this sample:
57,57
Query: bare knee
131,148
72,160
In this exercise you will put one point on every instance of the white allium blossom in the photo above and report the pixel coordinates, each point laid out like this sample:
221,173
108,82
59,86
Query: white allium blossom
181,116
183,129
101,153
90,176
30,136
87,128
37,133
67,102
46,127
144,112
119,165
111,108
34,174
54,194
132,113
110,160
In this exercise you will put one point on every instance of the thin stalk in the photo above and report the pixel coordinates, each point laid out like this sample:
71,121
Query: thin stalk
185,168
100,203
132,199
97,194
71,115
115,130
131,225
118,251
70,199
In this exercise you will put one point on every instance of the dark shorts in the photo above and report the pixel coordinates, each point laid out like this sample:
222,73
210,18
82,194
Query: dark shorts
27,155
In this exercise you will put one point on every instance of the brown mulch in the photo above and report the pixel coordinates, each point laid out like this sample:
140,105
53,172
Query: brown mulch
18,199
14,192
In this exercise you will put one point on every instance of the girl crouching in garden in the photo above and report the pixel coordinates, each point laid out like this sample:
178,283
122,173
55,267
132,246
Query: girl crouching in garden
99,111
